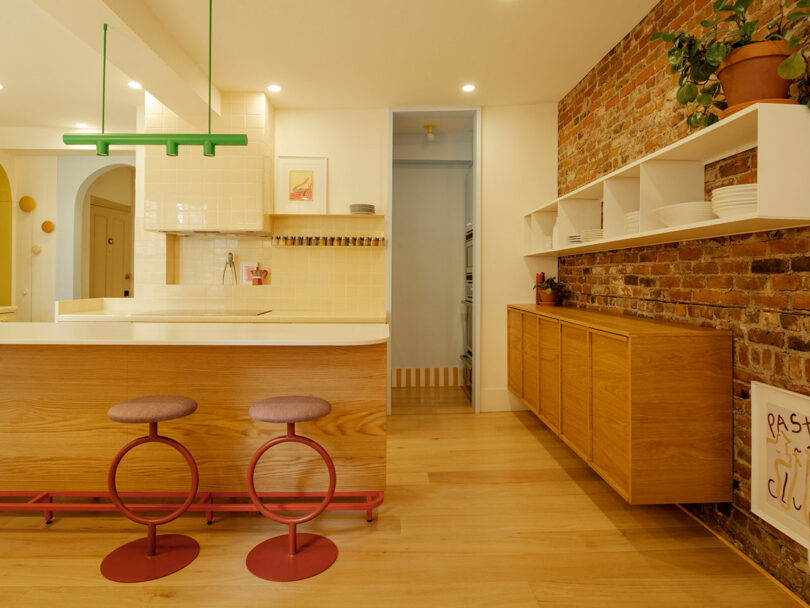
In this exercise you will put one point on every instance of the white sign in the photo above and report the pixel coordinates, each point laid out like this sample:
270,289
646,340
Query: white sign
780,459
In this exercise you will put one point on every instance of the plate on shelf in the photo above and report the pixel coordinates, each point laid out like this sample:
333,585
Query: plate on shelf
685,213
747,189
361,209
731,210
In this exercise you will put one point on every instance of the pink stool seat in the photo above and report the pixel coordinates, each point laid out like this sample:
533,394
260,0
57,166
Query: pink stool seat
290,409
152,408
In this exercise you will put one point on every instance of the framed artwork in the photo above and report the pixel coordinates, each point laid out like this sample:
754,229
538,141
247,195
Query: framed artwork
300,184
780,457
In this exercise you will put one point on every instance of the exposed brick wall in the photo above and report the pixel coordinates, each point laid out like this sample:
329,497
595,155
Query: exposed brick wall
756,285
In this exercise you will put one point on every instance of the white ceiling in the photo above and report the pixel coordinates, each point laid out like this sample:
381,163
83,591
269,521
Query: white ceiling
52,79
356,53
325,53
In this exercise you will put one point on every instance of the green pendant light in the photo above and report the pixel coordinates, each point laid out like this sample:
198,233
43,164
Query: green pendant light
102,141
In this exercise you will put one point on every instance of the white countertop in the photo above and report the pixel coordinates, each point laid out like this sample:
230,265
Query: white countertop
196,334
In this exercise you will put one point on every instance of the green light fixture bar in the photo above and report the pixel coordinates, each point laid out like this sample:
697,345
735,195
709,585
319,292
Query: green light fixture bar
102,141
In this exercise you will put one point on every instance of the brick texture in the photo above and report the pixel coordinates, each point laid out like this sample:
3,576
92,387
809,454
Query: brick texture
756,285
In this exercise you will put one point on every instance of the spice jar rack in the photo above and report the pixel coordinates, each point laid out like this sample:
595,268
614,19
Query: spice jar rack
328,241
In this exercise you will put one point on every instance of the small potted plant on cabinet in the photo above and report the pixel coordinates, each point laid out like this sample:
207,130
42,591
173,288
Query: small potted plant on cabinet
548,290
726,69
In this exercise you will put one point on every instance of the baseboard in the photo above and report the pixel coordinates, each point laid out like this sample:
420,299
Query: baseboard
405,377
500,400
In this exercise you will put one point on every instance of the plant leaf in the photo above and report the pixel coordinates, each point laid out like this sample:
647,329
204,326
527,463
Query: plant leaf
704,99
710,119
792,67
720,105
686,93
717,4
796,16
743,5
803,4
716,52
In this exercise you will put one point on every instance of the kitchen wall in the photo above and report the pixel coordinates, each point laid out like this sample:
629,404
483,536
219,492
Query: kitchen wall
6,235
355,143
518,173
756,285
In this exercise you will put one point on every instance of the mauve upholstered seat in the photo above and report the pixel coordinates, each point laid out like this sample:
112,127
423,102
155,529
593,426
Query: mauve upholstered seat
152,408
290,409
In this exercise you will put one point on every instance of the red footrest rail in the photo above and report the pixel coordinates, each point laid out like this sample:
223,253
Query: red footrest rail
205,502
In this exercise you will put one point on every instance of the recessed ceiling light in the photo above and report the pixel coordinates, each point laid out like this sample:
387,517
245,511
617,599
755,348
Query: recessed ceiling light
81,125
468,88
134,85
274,88
1,86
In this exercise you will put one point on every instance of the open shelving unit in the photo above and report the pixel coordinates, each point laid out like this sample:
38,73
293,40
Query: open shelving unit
675,174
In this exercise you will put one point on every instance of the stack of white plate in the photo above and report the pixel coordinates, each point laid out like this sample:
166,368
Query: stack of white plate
361,209
685,213
734,200
592,234
575,238
632,221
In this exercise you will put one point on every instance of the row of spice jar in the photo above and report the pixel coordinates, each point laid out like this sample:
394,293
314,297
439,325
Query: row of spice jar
329,241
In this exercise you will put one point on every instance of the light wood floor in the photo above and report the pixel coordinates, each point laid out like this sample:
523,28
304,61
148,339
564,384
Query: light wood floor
489,510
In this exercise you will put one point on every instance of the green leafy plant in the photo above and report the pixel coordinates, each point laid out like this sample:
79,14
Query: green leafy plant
796,67
696,59
550,285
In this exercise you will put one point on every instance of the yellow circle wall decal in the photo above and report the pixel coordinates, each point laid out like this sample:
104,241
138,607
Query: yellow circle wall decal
48,226
28,204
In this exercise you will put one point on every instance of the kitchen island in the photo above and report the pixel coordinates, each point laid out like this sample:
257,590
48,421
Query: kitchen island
59,380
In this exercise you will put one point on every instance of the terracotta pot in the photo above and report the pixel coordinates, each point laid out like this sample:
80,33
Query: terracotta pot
748,75
547,299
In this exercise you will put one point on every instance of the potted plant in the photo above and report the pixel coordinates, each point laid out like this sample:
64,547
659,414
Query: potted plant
548,291
726,69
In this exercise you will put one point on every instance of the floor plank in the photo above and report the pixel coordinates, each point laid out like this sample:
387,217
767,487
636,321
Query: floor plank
487,510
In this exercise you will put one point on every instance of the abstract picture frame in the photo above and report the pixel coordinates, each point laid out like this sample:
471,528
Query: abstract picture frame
301,184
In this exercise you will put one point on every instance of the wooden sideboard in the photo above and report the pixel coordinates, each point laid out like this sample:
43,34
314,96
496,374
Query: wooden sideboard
647,404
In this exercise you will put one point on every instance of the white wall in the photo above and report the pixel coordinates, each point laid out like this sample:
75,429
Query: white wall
428,265
75,175
445,146
35,275
354,141
519,171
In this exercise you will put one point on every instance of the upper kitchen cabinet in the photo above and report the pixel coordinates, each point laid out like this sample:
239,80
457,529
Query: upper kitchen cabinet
231,192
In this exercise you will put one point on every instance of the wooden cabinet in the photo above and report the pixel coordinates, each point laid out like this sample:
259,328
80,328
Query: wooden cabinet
647,404
575,393
549,343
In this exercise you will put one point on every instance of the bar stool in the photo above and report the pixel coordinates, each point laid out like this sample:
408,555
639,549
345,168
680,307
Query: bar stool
155,556
293,556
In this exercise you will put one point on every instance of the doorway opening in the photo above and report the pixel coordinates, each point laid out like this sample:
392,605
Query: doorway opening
432,269
108,235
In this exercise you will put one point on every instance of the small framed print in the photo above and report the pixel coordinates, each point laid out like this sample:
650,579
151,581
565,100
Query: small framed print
300,184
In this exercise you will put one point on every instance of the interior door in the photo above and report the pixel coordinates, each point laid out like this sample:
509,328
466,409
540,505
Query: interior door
110,251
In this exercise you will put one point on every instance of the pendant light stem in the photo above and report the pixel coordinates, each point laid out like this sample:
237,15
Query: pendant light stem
104,80
210,25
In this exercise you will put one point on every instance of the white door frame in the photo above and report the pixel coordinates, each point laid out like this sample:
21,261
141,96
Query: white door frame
476,389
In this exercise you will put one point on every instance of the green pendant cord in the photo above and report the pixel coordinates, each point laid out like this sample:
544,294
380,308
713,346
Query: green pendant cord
104,80
172,141
210,23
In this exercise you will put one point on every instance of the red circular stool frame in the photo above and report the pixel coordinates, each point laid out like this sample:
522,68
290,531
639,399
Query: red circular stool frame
292,556
155,556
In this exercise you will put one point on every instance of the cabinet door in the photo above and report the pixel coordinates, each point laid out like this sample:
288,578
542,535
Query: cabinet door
550,372
576,414
610,381
514,330
531,363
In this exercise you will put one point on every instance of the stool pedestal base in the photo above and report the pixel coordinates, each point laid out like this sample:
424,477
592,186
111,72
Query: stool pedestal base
131,564
271,560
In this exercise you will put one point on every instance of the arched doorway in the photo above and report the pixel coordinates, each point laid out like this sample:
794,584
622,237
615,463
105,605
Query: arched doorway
105,204
6,217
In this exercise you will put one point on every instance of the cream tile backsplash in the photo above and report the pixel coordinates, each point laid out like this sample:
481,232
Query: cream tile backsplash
233,192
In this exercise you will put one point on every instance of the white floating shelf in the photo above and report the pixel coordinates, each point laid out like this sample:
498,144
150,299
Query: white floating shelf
675,174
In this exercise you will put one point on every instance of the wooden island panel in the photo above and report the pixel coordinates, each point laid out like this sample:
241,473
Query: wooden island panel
55,434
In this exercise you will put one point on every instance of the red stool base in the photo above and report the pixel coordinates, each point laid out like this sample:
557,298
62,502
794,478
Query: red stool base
131,564
271,561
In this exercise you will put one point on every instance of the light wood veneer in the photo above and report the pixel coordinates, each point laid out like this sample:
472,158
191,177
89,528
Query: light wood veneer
55,434
647,404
